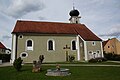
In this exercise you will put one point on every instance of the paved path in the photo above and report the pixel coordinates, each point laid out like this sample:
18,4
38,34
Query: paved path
8,64
5,64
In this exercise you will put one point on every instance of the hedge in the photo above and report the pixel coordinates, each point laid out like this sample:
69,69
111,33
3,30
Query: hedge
111,56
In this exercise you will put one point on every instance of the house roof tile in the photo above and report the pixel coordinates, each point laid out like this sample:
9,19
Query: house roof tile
55,28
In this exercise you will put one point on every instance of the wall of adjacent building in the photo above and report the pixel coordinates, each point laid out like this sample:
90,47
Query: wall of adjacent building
112,46
40,47
118,47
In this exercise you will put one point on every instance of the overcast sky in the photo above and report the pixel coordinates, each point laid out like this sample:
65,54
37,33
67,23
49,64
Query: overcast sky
100,16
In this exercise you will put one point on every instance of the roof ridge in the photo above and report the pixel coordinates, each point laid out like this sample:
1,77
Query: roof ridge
2,46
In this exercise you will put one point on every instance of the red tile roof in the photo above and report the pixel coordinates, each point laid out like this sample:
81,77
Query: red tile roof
2,46
55,28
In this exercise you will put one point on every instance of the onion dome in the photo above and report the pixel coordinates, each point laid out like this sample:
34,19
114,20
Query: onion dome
74,12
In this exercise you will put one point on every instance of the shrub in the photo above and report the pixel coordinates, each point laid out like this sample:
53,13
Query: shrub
71,58
18,64
111,56
99,59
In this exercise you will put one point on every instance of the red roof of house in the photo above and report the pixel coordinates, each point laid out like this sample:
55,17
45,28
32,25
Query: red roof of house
55,28
2,46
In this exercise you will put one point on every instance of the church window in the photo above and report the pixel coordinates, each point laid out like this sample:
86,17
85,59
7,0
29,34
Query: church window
29,44
51,45
98,51
90,54
20,36
23,55
73,45
93,43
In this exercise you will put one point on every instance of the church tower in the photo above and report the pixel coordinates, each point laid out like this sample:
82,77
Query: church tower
75,18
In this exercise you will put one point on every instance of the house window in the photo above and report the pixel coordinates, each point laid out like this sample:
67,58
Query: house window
3,50
73,45
93,43
23,55
51,45
29,44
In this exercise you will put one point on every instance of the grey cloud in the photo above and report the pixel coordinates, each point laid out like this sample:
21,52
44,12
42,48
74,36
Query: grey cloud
41,18
114,31
18,8
6,37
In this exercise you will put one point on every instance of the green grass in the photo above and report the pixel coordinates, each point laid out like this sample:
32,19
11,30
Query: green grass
77,73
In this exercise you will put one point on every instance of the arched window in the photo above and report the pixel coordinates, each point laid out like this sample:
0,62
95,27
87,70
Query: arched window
51,45
29,44
73,46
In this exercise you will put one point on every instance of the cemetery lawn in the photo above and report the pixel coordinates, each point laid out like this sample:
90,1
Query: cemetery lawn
77,73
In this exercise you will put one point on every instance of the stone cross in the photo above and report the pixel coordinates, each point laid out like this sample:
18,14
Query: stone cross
67,54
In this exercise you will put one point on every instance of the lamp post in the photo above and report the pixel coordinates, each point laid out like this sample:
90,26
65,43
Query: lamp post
66,52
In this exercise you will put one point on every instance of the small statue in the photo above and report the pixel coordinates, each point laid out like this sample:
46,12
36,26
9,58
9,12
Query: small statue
37,64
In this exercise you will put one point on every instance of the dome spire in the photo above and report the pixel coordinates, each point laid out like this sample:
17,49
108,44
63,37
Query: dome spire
74,15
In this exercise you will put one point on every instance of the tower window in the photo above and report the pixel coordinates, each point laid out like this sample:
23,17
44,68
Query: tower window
76,21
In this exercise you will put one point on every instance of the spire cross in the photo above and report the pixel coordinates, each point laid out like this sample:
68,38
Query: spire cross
73,5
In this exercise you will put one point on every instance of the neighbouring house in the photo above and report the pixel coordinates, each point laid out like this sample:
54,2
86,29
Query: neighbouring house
2,48
56,41
112,46
5,53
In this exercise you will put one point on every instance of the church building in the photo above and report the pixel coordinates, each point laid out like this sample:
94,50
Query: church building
55,40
